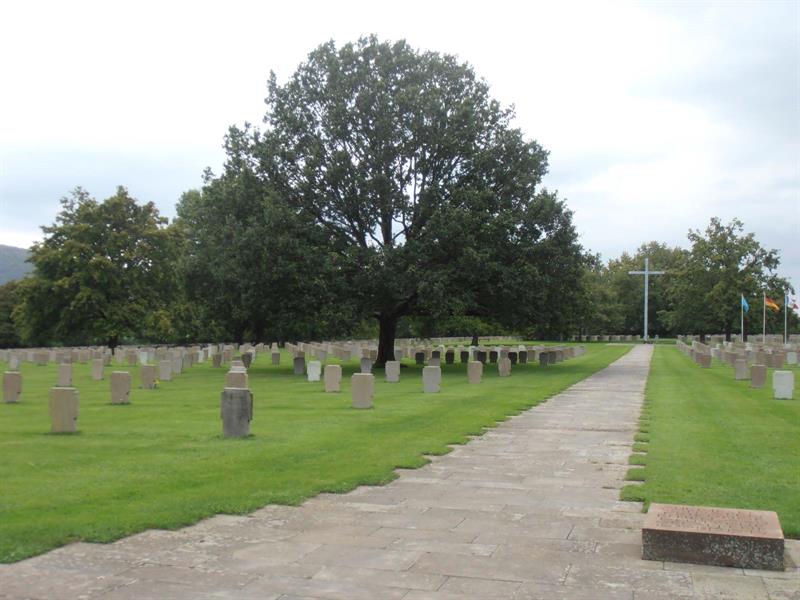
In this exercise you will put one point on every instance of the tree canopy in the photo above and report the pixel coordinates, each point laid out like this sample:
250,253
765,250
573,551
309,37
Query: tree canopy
399,167
104,271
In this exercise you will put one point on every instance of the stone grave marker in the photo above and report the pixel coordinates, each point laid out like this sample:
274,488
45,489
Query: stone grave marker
299,364
513,357
758,376
392,370
783,385
63,410
363,389
98,368
464,356
120,387
65,375
165,370
216,361
493,356
474,371
740,370
449,356
247,359
523,357
147,374
177,364
747,539
12,386
13,362
435,361
236,412
431,379
704,360
544,359
333,378
366,365
276,357
314,370
236,378
504,367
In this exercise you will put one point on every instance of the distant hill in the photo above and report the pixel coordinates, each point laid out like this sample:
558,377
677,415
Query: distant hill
12,263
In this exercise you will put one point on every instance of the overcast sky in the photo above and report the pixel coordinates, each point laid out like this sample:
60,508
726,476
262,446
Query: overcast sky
658,116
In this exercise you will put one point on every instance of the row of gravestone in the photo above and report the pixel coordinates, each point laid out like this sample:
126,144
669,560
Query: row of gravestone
756,373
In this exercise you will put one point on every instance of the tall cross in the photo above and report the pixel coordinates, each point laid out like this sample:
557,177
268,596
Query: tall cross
647,272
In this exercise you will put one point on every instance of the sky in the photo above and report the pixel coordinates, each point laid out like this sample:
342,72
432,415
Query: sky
658,115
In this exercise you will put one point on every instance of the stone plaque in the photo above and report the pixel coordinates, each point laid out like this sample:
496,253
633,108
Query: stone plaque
748,539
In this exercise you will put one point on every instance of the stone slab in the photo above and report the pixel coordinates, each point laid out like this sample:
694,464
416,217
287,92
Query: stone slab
727,537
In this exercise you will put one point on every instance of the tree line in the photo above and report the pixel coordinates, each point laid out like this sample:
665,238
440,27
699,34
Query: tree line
387,194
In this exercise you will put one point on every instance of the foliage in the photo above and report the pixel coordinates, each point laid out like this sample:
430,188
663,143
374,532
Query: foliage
158,462
102,273
723,263
8,300
405,172
714,441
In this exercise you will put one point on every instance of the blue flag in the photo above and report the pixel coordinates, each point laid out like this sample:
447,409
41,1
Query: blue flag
745,305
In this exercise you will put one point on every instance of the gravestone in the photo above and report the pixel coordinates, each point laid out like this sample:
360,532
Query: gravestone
165,370
758,376
392,370
120,387
216,361
493,356
431,379
276,357
504,367
474,371
236,378
63,410
12,386
512,356
314,370
363,389
783,385
147,374
746,539
464,356
333,378
704,360
480,355
740,370
236,412
13,362
177,364
791,358
435,361
523,357
419,358
299,365
65,375
544,359
247,359
449,357
366,365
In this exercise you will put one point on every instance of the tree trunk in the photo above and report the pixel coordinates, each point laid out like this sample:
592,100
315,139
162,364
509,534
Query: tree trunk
475,339
728,331
386,336
112,343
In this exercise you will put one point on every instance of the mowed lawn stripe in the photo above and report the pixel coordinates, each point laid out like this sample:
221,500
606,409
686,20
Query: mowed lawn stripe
714,441
161,461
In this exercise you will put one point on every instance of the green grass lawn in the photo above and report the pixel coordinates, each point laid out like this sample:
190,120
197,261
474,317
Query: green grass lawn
713,441
161,462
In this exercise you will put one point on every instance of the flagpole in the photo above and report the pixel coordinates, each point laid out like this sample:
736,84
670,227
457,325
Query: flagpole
741,308
785,308
764,318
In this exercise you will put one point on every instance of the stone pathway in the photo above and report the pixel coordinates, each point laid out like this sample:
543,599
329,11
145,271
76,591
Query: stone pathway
529,510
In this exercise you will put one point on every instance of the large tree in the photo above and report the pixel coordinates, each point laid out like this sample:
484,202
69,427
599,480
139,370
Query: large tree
723,264
104,272
420,186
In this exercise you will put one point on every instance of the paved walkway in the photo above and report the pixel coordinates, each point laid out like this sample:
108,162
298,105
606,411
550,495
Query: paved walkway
529,510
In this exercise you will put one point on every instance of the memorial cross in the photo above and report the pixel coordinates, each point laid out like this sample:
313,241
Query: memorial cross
647,272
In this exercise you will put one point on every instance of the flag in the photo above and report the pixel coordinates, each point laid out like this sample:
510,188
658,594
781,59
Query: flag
771,304
791,302
745,305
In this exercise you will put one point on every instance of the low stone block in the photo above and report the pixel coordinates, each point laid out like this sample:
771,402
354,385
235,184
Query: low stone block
12,386
493,356
165,370
247,359
449,357
366,365
747,539
504,367
65,375
523,357
758,376
740,370
431,379
363,389
419,358
513,357
236,412
236,379
333,378
435,361
392,370
704,360
276,358
120,387
216,361
464,356
783,385
299,365
544,359
63,410
177,364
314,370
147,374
474,371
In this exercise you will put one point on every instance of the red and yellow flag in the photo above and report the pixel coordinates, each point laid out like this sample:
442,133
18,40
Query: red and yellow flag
771,304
